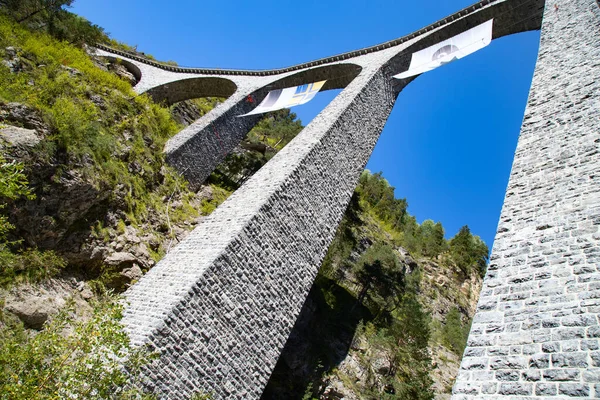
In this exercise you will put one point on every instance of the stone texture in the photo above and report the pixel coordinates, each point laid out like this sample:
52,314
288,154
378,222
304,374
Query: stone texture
220,306
546,252
225,299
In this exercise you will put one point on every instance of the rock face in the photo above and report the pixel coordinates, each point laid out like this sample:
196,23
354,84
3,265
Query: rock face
34,305
14,60
325,339
445,288
186,113
23,116
122,72
19,137
113,66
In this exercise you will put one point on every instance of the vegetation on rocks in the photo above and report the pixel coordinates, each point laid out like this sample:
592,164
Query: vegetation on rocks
92,136
72,357
385,314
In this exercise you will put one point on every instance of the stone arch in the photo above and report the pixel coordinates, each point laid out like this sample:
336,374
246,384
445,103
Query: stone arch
508,19
338,76
131,67
206,145
192,88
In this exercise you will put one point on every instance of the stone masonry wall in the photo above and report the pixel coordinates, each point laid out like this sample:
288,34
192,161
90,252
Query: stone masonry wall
536,332
220,306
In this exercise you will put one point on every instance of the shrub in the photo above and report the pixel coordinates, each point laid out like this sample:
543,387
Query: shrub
29,265
70,358
454,332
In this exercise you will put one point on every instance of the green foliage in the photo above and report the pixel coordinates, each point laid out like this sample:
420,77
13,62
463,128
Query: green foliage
469,252
380,276
201,396
29,265
403,342
13,184
308,393
337,259
400,328
276,129
70,358
219,195
114,143
454,332
52,17
433,238
410,331
379,195
205,104
267,137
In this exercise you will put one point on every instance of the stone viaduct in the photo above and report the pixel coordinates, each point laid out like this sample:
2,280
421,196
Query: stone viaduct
220,306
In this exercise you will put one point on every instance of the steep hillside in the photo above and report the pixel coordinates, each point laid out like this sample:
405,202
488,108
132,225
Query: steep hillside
380,322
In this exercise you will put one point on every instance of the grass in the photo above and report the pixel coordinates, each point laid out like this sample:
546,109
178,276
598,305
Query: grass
115,144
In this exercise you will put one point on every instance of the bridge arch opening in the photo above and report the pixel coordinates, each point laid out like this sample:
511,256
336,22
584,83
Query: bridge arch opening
338,76
268,133
192,88
129,66
474,107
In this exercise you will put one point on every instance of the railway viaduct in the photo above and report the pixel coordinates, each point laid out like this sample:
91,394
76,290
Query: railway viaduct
220,306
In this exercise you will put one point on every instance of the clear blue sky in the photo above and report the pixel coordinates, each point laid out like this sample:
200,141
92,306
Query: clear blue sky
449,143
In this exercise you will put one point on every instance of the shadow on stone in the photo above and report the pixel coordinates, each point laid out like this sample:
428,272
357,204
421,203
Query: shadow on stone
320,340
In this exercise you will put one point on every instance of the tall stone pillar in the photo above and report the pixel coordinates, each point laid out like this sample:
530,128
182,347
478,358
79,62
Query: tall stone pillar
536,332
221,305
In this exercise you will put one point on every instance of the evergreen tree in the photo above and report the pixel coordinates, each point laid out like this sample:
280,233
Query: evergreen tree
433,238
381,277
469,252
454,332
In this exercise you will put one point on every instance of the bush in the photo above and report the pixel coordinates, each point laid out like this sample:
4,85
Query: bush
29,265
454,332
52,17
469,252
70,358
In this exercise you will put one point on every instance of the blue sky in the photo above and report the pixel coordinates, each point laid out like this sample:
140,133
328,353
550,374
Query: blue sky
449,143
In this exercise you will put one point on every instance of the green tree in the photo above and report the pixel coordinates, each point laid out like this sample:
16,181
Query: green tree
469,252
404,343
267,137
411,333
433,238
454,332
70,358
380,276
13,184
23,10
276,129
53,17
376,191
412,239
